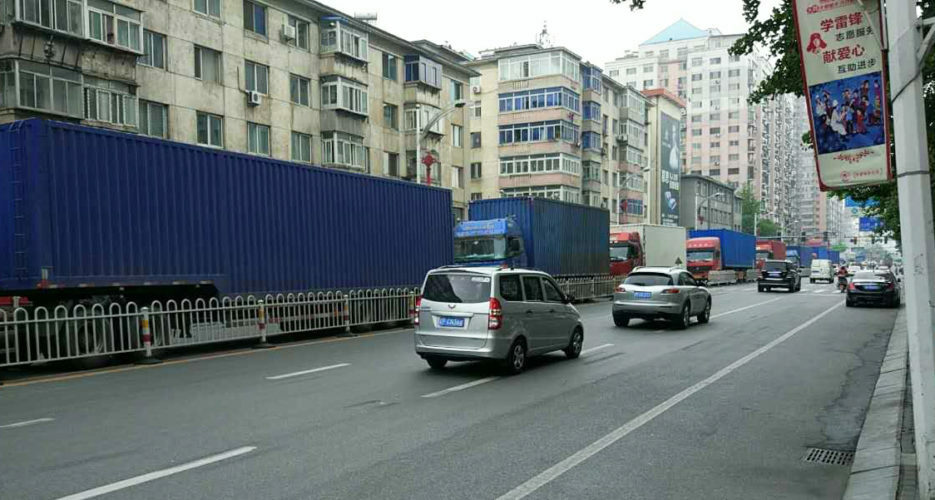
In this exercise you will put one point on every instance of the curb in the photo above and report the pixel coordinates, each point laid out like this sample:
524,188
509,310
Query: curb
877,461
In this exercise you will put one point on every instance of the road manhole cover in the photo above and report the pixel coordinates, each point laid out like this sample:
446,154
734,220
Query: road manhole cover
829,457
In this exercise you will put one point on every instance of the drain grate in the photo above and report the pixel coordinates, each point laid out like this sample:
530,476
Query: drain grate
829,457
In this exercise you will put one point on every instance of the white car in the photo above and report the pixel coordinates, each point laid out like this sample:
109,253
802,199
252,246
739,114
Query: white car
822,270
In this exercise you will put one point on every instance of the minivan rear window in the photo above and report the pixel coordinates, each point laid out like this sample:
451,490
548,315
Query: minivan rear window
648,279
458,288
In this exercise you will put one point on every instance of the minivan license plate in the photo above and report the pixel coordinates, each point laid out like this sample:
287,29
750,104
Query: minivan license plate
642,295
453,322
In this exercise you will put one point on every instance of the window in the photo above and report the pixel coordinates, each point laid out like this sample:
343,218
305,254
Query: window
114,25
154,50
715,60
714,116
715,144
733,129
390,67
509,288
696,160
733,115
647,83
340,93
343,149
457,91
696,77
477,196
60,15
301,33
536,164
154,119
592,111
591,140
615,72
299,90
476,171
475,139
424,70
336,36
538,132
207,64
733,171
733,157
631,71
714,159
457,177
109,101
735,101
257,76
539,98
696,132
42,87
552,293
456,135
734,58
427,112
258,138
714,172
210,130
532,288
715,130
254,17
391,164
696,118
647,68
733,143
697,61
477,109
301,147
391,116
208,7
733,72
543,64
696,90
714,74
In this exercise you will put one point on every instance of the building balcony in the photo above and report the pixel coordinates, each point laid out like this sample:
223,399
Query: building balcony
535,148
418,93
540,179
331,64
538,115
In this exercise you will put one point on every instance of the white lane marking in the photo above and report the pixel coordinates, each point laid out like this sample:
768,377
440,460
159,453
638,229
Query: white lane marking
460,387
751,306
306,372
590,450
25,423
596,348
145,478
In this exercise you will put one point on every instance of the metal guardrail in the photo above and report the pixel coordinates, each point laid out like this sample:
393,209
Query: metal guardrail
589,288
38,334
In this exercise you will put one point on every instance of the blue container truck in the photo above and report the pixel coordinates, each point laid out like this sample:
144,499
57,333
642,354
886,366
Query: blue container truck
720,255
835,257
562,239
86,212
801,255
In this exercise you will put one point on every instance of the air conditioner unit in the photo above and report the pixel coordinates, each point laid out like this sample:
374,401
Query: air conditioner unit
475,89
288,32
254,98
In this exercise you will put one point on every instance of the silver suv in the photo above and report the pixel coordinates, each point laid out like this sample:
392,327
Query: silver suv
469,313
661,292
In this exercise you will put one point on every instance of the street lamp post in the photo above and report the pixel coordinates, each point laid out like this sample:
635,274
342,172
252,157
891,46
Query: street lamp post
422,132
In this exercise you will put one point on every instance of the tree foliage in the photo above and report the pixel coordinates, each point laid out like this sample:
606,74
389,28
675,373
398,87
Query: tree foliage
767,228
750,206
776,34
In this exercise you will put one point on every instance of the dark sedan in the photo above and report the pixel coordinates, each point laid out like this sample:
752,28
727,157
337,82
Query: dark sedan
873,287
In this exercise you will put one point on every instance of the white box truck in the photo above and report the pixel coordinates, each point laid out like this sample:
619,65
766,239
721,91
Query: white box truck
636,245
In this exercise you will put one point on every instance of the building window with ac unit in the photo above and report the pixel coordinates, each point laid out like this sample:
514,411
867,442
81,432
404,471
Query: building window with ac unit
207,64
258,139
301,147
343,149
115,25
254,17
390,67
257,76
299,36
154,119
210,130
476,172
109,101
344,94
154,50
208,7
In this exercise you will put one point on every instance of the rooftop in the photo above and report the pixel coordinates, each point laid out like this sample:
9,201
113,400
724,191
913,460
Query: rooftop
679,30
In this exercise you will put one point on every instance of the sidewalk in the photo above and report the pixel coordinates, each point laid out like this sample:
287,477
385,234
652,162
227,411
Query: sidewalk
884,463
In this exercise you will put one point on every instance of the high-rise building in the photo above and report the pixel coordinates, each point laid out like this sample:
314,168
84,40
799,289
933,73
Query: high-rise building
726,137
291,80
546,123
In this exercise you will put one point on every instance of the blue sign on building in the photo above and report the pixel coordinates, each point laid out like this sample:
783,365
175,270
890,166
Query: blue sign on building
869,224
850,202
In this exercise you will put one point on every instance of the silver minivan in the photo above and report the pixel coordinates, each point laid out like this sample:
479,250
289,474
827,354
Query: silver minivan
492,313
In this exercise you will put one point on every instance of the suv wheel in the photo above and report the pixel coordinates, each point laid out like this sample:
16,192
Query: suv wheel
516,358
435,362
574,346
684,319
759,289
705,315
621,320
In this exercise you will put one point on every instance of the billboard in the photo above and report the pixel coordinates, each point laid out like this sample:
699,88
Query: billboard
670,161
851,203
845,87
869,223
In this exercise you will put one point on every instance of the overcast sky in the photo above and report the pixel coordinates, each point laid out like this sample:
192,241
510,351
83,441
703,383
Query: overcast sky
596,30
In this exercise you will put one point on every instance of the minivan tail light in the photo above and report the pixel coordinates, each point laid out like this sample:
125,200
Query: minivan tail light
495,316
671,290
415,310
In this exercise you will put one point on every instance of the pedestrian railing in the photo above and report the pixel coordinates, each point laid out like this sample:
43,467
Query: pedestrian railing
589,288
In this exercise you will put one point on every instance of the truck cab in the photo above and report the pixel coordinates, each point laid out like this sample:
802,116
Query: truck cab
497,242
704,256
769,250
626,253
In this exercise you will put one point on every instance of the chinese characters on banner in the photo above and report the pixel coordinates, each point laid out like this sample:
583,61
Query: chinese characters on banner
843,68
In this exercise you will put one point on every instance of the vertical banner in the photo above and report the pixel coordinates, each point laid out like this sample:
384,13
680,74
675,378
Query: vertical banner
670,161
845,87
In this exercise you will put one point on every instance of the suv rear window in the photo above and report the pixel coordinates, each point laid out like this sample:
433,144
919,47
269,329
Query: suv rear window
648,279
458,288
775,266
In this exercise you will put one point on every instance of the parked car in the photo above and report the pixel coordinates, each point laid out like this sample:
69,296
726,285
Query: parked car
823,270
493,313
669,293
873,287
779,274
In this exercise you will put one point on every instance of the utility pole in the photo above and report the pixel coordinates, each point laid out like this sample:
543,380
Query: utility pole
915,218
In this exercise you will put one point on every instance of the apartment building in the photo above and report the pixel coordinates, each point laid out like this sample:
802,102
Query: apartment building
726,138
708,203
292,80
818,215
546,123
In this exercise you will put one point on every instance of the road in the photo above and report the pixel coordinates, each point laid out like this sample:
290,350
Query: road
723,410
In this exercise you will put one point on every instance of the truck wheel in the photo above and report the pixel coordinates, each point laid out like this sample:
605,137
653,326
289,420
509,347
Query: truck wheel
92,339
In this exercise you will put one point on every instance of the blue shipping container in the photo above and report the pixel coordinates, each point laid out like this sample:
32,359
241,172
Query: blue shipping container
95,207
738,250
562,239
804,253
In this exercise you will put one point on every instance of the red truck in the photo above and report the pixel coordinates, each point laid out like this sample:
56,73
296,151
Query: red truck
635,245
769,250
626,253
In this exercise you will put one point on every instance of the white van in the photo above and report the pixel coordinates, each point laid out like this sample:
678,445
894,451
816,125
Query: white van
822,270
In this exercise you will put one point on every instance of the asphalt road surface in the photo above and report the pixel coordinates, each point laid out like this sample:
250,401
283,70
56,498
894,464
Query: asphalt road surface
723,410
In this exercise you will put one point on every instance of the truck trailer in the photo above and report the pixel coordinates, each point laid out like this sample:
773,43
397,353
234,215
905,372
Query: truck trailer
721,256
636,245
